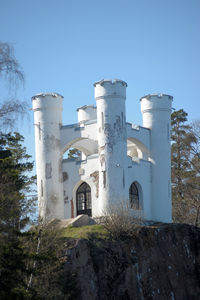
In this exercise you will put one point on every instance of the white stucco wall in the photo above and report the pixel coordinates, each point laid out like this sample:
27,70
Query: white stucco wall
141,173
71,167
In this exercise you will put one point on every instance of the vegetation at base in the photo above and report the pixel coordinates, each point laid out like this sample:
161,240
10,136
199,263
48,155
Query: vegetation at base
85,232
119,221
48,277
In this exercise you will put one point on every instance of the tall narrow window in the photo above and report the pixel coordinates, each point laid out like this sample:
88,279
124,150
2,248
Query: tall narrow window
134,196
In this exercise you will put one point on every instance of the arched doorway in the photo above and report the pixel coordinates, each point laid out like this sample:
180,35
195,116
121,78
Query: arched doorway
134,197
83,200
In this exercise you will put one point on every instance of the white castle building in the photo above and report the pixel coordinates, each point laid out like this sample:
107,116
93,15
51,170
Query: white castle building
121,162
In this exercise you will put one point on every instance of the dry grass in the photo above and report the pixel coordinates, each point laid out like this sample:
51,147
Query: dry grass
97,230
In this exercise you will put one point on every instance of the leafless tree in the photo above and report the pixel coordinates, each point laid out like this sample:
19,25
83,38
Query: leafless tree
120,220
9,65
11,71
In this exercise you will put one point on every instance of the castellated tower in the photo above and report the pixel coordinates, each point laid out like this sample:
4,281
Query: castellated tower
47,121
111,125
156,112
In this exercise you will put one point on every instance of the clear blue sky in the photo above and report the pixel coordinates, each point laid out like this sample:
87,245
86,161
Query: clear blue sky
65,46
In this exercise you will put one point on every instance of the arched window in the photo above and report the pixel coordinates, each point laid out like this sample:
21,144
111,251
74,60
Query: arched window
134,196
83,200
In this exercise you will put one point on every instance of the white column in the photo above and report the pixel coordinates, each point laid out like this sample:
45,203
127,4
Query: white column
156,111
111,119
47,121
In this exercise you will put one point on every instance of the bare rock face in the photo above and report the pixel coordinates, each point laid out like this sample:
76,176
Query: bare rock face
157,262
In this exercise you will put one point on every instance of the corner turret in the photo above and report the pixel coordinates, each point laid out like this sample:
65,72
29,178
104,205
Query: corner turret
110,97
47,121
156,112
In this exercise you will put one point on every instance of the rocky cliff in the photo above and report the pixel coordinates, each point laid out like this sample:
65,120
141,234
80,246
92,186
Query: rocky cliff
156,262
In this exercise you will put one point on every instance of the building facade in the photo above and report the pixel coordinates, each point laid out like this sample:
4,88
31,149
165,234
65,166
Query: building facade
120,162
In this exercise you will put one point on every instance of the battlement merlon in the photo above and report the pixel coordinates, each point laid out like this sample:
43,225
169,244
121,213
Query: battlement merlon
156,102
87,113
108,88
156,96
39,95
48,108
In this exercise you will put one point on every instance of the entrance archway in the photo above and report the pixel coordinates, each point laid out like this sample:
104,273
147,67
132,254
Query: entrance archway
83,200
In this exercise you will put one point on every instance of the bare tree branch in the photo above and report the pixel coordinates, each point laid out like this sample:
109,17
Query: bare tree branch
10,111
9,65
11,71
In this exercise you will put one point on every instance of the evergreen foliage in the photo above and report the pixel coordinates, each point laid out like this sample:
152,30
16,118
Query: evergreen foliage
74,153
15,182
15,209
185,169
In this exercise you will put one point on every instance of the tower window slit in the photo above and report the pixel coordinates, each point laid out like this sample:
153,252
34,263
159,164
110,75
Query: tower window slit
102,120
39,131
42,191
104,179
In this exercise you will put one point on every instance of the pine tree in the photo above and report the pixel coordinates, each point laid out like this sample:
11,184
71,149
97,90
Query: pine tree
193,183
74,153
14,210
14,181
185,180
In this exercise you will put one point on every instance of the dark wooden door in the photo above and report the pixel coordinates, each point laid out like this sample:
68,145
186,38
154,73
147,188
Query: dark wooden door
83,200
